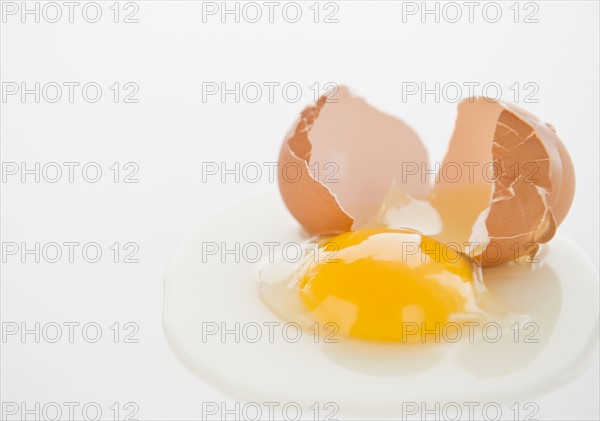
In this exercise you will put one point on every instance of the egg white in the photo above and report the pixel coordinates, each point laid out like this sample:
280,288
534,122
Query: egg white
559,294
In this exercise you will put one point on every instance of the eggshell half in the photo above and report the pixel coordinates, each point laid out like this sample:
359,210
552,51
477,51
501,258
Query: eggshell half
519,191
339,161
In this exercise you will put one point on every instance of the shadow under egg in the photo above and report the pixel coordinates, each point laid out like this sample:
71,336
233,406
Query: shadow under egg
531,290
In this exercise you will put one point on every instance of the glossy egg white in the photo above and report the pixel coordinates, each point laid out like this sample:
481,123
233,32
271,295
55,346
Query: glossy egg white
559,295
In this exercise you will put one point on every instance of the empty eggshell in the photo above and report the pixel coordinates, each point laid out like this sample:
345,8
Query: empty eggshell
340,160
518,188
505,184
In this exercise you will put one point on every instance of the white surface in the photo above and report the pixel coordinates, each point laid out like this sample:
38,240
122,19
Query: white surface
169,53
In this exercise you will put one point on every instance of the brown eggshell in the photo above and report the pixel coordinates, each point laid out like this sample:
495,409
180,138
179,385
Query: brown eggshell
527,194
514,186
311,203
339,161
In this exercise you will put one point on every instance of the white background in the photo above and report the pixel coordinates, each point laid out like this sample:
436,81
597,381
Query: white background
169,53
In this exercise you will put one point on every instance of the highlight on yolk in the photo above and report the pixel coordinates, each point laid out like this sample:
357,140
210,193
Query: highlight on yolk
389,285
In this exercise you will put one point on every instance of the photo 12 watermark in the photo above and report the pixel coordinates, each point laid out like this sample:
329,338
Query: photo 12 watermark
455,91
252,12
52,92
269,411
53,172
69,252
468,411
71,332
252,92
268,332
254,172
57,12
69,411
470,11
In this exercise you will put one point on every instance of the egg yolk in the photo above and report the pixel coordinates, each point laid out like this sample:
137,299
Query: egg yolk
388,285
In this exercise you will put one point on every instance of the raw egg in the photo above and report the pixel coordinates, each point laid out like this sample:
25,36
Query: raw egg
269,346
385,284
442,291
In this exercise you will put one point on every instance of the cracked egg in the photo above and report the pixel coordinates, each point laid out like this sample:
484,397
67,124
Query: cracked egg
504,186
394,268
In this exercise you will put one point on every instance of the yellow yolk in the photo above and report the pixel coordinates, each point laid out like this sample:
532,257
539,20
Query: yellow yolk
388,285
